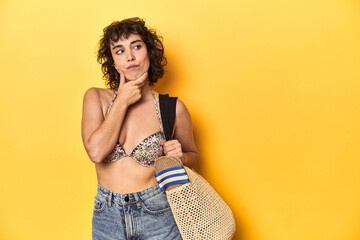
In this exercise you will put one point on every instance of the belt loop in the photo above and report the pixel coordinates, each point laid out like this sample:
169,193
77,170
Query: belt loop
138,200
110,198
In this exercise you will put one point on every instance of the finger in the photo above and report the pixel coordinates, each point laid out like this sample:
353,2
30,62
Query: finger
170,148
140,82
140,85
162,142
141,79
176,153
171,142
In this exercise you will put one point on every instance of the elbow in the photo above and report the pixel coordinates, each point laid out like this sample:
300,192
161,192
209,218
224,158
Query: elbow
95,156
191,159
96,152
96,160
195,160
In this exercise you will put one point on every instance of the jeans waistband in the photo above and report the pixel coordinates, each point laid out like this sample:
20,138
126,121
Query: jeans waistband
128,198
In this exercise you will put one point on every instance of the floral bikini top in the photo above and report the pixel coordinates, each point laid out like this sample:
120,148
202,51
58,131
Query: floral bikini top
147,151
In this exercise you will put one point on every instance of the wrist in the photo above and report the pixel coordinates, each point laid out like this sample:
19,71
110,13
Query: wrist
122,102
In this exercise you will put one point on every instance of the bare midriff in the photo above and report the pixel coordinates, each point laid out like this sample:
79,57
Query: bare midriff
125,176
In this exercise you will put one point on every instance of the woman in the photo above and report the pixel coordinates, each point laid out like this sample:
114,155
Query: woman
123,134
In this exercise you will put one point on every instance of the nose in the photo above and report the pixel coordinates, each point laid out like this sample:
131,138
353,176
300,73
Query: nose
130,56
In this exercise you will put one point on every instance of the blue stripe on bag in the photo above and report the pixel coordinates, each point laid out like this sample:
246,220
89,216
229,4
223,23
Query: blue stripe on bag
168,170
171,176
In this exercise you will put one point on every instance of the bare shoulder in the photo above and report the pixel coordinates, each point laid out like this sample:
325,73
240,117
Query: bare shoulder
181,109
95,92
91,94
98,95
96,101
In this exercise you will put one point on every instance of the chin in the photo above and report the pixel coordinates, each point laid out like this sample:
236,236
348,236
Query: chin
133,76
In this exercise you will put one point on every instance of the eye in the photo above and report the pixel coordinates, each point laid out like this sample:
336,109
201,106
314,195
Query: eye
120,51
137,46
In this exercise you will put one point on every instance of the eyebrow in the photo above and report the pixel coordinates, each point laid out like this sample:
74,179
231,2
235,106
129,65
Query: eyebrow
118,46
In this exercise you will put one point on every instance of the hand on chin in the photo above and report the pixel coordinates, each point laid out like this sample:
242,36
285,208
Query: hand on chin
132,76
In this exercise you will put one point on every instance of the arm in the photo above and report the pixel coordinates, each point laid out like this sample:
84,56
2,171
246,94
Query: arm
183,144
99,135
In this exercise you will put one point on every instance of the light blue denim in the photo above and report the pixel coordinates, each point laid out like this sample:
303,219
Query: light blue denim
140,215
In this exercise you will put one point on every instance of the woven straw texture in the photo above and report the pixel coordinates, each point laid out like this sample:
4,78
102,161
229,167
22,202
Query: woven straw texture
199,211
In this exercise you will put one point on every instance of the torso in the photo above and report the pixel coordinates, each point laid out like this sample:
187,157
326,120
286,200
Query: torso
126,175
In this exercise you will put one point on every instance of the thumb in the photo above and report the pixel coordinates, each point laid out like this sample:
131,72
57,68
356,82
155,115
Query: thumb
162,142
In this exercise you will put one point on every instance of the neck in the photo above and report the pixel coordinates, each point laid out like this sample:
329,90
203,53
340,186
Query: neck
145,92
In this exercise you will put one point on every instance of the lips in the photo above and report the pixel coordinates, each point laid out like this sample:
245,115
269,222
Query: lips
132,66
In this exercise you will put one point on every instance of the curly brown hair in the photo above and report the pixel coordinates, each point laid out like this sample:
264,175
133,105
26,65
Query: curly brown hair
118,29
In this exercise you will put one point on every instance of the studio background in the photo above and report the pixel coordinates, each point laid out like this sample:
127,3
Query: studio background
272,88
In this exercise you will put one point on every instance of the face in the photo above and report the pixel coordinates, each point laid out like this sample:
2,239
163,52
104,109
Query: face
130,56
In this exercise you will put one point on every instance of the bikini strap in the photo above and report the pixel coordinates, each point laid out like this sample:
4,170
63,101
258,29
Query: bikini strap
112,101
157,111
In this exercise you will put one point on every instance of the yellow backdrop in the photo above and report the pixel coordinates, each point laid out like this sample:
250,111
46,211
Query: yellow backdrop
272,87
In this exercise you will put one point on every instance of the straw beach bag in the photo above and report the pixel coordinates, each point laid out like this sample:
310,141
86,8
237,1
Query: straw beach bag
199,211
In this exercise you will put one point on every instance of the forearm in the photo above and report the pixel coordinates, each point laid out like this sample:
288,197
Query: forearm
189,159
105,137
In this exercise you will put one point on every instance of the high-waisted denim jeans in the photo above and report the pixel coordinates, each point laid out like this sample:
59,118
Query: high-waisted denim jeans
140,215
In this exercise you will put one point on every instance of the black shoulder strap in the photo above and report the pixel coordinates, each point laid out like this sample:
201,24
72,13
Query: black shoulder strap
168,112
